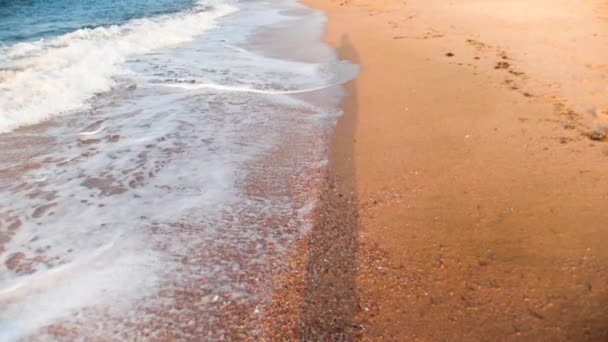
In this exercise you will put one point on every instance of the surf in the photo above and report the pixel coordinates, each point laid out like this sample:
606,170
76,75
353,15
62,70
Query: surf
144,204
60,75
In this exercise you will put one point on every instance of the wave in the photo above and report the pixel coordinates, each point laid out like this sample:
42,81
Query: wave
212,86
88,133
58,75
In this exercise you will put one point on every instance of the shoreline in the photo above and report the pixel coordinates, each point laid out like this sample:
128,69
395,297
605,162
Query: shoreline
234,174
475,166
314,298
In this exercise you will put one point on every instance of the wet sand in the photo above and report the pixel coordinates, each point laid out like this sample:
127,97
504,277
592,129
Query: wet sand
467,195
211,260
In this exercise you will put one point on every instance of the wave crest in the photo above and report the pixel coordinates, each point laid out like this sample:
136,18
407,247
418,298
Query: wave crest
58,75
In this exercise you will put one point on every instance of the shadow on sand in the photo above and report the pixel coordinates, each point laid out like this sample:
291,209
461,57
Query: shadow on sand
329,300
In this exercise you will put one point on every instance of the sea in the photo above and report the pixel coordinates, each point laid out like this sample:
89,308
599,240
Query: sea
158,159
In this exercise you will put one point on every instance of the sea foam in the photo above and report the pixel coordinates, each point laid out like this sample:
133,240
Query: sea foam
171,198
58,75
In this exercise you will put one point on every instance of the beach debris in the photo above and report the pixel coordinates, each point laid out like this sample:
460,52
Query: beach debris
599,134
536,314
477,44
449,54
502,65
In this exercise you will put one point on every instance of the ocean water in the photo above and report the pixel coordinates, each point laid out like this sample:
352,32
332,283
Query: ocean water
157,158
30,20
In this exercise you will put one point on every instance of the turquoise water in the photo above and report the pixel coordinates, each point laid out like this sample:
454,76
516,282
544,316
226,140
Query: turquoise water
26,20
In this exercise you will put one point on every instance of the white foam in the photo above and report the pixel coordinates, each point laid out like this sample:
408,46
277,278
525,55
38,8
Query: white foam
110,273
211,86
102,250
89,133
171,175
59,75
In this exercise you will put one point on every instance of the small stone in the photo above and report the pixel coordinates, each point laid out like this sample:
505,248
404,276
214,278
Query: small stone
502,65
597,135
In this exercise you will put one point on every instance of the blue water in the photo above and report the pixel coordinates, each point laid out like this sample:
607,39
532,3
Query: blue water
27,20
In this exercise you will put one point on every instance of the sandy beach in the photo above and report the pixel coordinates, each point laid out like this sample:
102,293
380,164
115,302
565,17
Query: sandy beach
467,191
315,170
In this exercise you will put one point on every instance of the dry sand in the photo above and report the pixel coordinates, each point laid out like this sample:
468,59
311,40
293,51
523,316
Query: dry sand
467,196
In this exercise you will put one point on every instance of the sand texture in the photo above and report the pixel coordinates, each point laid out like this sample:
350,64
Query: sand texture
467,197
